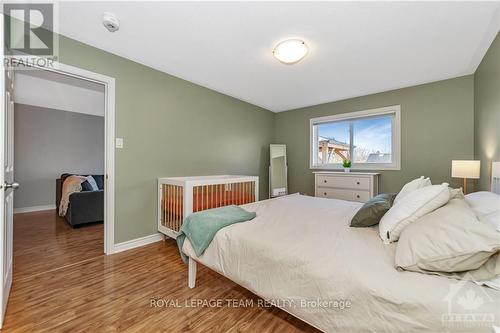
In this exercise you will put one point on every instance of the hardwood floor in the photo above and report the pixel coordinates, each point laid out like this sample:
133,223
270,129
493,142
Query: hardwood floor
43,241
114,293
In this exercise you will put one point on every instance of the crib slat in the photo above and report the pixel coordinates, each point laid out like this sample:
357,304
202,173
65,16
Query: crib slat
211,196
176,213
167,200
206,204
240,201
253,192
238,189
236,201
216,195
181,208
233,193
172,207
222,191
194,199
177,207
167,207
195,196
164,208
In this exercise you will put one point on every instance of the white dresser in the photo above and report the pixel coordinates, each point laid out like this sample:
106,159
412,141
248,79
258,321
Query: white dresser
351,186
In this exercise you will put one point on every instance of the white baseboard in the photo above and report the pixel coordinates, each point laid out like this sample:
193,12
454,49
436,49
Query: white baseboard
33,209
133,243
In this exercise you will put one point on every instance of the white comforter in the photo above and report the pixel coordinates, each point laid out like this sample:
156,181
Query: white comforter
301,249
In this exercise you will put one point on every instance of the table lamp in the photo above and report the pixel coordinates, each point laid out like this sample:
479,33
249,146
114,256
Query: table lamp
465,169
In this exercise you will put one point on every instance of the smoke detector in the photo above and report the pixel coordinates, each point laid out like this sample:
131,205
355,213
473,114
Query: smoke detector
110,22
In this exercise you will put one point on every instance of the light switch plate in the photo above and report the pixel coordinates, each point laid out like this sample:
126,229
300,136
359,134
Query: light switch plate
119,143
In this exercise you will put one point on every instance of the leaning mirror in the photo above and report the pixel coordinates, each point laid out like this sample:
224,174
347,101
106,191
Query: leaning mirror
277,171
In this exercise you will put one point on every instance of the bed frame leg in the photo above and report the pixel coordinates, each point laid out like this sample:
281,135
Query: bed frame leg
191,273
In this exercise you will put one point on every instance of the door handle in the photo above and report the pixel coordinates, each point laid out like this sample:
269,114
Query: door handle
13,186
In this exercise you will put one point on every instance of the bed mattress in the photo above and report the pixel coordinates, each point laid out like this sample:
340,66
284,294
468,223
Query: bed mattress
300,254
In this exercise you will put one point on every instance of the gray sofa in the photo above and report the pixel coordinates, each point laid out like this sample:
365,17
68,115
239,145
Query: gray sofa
86,206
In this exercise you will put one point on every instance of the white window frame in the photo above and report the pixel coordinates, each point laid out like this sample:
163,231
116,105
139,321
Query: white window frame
396,138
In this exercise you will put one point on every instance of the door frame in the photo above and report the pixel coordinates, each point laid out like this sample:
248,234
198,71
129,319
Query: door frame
109,135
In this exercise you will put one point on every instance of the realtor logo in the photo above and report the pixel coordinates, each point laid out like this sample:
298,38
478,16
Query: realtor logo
30,35
468,306
29,28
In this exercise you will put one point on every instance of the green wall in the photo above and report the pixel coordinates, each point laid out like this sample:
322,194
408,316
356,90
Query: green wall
171,127
436,127
487,112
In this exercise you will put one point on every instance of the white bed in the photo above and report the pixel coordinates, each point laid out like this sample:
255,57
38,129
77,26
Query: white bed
302,248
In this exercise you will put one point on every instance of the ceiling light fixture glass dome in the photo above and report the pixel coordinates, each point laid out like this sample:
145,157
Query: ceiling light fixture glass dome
290,51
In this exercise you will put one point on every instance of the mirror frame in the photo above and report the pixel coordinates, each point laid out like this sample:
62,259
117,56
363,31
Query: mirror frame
286,170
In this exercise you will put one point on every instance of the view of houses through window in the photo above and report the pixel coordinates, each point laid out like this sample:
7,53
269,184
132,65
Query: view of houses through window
361,140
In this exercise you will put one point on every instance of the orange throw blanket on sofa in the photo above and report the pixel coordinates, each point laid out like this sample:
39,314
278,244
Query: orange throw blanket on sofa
71,185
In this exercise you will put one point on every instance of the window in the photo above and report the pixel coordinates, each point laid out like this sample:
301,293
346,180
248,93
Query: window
370,139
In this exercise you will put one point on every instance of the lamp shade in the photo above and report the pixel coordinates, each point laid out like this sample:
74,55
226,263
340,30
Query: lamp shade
465,169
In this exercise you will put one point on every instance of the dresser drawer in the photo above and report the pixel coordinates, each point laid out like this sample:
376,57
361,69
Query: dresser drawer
347,182
349,195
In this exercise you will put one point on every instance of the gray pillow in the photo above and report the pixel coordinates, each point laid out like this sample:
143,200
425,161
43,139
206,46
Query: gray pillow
373,210
449,240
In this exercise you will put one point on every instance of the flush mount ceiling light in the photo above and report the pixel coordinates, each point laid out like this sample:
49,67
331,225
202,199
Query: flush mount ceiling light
290,51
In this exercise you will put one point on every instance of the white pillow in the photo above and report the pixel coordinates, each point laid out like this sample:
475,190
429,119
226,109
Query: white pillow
492,219
486,205
450,239
412,186
483,202
456,193
412,206
492,283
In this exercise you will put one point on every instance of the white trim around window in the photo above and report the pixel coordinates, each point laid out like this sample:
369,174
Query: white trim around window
394,110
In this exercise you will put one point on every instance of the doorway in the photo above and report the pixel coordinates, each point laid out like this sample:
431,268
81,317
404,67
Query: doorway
87,79
59,166
8,183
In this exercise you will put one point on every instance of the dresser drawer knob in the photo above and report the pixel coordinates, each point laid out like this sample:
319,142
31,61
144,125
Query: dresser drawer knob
324,181
357,183
357,196
324,193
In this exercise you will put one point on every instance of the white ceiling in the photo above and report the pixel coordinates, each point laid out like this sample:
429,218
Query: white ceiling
59,92
356,48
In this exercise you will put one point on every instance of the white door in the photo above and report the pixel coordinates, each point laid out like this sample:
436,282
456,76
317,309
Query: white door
7,184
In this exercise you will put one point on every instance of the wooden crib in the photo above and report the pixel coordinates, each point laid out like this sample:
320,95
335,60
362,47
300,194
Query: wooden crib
180,196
